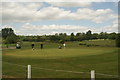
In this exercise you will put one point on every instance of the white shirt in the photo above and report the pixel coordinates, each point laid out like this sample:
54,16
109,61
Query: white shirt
64,44
17,45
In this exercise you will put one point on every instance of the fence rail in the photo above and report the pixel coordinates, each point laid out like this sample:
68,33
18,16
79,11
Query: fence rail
92,73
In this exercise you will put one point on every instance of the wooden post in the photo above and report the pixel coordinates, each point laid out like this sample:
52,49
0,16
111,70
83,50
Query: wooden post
92,75
29,72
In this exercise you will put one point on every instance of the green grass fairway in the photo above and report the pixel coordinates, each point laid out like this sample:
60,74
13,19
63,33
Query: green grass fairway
68,62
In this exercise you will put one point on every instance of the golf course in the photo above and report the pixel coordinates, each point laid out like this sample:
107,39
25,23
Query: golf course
59,40
72,61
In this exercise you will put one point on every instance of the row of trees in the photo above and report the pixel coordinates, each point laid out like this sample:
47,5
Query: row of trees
64,37
9,36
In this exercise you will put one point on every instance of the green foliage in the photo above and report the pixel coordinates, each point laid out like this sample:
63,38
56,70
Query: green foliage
82,43
54,38
58,36
61,41
112,36
72,37
11,39
7,32
95,36
9,36
89,35
103,35
63,36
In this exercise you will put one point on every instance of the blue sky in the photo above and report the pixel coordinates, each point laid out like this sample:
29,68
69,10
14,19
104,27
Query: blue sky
50,18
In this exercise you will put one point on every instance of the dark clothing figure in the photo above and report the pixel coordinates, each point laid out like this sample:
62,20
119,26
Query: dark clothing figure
32,45
41,46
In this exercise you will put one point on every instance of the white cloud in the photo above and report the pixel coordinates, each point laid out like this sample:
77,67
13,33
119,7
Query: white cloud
70,4
52,29
30,29
108,28
60,0
28,12
112,28
97,16
19,12
51,13
29,26
7,26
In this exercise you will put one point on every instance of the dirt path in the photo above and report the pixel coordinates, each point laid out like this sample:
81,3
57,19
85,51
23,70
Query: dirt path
10,48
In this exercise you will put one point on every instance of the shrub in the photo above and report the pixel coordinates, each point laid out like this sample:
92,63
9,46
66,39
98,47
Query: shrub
81,43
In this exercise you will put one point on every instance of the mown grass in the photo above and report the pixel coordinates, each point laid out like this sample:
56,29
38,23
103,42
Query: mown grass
72,58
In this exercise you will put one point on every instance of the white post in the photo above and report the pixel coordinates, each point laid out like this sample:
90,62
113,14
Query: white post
29,71
92,75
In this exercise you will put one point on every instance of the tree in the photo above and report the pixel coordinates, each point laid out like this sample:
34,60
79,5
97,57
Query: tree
54,38
72,37
78,34
9,36
78,37
103,35
11,39
7,32
40,38
95,36
62,36
89,35
112,36
72,34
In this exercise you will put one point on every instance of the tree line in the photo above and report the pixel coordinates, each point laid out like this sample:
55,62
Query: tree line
8,36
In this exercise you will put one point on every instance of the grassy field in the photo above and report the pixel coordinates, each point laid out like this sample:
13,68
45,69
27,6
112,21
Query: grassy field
74,61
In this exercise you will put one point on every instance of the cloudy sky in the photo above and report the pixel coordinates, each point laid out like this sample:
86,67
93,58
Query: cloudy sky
40,18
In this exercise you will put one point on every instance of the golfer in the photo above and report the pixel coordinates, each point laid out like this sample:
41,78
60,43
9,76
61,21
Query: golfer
32,45
59,47
41,46
64,45
18,46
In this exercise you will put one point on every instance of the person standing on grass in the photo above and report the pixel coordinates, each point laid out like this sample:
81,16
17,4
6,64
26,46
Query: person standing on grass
32,45
64,45
59,47
41,46
18,46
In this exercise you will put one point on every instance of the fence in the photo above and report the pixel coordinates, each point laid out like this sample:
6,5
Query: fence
29,71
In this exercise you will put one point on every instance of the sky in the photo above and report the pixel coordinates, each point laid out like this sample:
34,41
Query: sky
47,18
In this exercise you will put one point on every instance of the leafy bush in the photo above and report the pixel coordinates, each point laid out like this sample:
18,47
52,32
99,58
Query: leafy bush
82,43
11,39
61,41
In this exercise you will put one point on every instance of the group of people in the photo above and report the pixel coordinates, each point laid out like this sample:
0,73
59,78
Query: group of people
60,47
32,45
18,46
